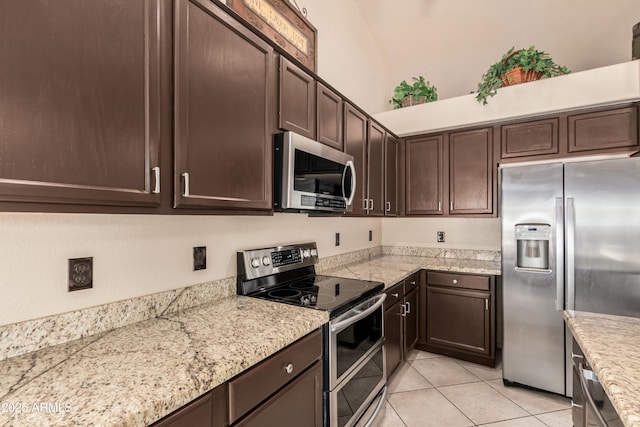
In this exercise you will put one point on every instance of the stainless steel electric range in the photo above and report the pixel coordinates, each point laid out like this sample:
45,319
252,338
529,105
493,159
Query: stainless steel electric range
354,366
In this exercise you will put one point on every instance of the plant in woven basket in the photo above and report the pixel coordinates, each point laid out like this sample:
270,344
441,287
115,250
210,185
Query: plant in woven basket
515,67
421,91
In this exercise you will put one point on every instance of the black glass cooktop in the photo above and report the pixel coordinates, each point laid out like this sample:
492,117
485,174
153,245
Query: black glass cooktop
321,292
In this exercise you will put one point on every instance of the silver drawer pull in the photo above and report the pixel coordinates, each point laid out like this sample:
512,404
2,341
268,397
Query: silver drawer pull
455,281
156,174
576,356
413,282
289,368
396,295
575,405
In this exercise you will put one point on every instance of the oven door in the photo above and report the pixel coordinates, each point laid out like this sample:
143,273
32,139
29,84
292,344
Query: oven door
354,336
311,176
361,396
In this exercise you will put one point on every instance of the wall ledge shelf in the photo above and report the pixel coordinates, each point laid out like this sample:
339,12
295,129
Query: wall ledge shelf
610,85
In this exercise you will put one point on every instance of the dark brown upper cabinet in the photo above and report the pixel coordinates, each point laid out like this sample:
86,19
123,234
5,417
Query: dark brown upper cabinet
577,133
391,175
471,172
533,138
329,117
80,110
603,130
224,104
424,162
376,176
297,100
355,144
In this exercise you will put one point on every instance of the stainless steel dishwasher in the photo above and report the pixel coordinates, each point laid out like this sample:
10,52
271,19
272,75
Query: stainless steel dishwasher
591,406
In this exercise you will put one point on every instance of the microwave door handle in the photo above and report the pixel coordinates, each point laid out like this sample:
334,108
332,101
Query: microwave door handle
353,181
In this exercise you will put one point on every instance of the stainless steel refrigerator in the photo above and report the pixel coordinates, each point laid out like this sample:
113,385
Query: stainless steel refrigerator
570,240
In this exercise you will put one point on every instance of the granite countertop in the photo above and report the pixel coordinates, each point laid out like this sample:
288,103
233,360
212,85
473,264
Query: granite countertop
137,374
391,269
612,347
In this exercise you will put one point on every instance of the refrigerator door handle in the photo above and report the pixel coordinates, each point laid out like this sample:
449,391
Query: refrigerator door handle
571,247
559,255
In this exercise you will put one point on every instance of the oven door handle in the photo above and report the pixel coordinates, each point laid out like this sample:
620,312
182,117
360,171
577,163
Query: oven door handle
383,400
361,315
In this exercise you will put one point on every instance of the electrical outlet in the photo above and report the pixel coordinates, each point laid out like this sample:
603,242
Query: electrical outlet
80,274
440,238
337,239
199,258
371,235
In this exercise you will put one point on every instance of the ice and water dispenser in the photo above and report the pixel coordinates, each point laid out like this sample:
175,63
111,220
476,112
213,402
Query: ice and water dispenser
533,246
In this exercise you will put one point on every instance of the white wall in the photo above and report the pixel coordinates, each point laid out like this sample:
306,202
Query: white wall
349,58
136,255
452,43
460,233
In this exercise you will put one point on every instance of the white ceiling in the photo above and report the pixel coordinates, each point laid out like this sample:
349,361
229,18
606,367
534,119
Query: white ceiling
452,43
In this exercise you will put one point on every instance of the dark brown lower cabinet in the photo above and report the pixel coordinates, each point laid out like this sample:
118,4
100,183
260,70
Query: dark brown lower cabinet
393,333
458,318
299,403
283,390
209,410
401,321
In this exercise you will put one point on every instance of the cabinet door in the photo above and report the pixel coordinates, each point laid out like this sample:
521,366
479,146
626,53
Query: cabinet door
79,117
355,144
423,175
297,100
393,337
376,169
411,321
299,403
391,176
604,130
330,112
533,138
223,111
471,172
459,319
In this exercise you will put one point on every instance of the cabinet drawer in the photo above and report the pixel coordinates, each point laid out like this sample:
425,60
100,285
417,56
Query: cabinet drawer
411,282
458,280
261,381
394,294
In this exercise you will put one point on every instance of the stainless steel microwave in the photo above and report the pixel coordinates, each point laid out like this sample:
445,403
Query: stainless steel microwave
310,176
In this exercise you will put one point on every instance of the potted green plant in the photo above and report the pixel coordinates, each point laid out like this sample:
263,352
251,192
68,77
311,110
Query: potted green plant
421,91
515,67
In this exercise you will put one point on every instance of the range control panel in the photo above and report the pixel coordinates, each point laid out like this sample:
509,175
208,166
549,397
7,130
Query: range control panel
255,263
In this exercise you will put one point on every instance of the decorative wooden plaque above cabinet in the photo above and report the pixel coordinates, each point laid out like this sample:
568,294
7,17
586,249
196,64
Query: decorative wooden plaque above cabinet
281,22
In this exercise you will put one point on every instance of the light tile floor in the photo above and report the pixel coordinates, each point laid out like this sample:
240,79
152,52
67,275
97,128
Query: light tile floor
433,390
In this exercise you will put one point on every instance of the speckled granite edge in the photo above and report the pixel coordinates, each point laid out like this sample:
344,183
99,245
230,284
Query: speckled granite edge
24,337
480,255
610,344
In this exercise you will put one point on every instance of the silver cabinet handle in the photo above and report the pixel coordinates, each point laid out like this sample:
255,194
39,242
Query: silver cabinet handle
408,309
156,174
388,206
413,282
186,184
451,206
396,295
289,368
439,206
365,203
575,405
371,200
486,304
559,254
403,310
455,281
